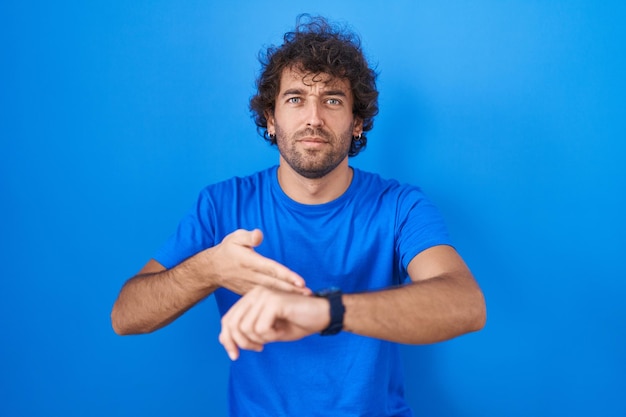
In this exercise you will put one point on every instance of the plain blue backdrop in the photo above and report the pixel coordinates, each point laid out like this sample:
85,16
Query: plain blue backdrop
511,115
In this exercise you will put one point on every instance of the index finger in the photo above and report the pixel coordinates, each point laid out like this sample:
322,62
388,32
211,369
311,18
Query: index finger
275,270
231,348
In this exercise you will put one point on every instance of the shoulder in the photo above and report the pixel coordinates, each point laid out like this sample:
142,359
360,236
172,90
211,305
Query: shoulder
404,202
369,183
239,185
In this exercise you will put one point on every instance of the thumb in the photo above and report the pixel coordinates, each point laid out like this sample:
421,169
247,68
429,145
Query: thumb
256,237
249,238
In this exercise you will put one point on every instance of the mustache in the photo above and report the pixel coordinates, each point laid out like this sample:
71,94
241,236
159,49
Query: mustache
319,132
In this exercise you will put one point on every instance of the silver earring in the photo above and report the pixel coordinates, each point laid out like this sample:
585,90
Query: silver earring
357,137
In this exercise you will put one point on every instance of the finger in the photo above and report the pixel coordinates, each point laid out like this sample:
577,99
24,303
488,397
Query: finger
268,325
227,337
239,321
247,323
232,342
229,344
260,263
252,239
242,341
275,270
256,237
247,238
272,282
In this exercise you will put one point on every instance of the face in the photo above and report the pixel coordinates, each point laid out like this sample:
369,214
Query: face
313,122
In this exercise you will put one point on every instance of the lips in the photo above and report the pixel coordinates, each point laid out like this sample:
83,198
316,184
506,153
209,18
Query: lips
313,136
312,140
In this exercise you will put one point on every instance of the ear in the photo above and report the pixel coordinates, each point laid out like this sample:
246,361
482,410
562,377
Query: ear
271,127
358,126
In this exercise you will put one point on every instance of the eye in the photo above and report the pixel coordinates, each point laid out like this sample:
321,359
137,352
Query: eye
293,100
333,101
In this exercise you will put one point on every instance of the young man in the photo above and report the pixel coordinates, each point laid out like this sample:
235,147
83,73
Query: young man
376,251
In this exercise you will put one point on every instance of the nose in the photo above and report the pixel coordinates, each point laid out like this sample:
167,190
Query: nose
314,116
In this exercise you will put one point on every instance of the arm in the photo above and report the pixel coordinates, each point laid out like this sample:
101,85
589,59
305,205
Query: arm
155,297
442,301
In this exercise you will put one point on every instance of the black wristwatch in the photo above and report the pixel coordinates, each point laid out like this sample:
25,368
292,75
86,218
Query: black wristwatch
337,310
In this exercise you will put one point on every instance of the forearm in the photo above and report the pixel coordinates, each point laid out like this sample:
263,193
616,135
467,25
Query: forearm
422,312
156,297
150,301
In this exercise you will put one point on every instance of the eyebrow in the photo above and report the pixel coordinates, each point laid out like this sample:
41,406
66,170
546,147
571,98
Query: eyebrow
299,91
293,91
340,93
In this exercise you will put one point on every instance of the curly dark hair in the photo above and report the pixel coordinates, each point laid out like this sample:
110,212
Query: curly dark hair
318,47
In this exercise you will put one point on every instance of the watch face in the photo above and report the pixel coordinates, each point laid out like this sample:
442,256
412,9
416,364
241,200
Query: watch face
328,291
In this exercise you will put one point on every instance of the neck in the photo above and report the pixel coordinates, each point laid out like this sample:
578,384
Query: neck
314,191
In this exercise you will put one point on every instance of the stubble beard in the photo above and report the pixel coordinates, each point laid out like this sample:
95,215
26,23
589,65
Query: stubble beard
313,163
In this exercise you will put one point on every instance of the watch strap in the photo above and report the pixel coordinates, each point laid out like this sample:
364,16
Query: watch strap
337,310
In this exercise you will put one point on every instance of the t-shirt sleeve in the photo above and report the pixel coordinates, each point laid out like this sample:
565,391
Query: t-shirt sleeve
194,233
419,226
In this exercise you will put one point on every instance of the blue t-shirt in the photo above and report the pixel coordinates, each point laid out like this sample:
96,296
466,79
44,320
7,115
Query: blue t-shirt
362,241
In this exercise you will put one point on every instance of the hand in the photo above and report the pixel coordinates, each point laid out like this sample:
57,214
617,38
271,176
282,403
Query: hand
239,268
264,315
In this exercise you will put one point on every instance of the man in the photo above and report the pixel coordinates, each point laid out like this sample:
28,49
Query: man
378,250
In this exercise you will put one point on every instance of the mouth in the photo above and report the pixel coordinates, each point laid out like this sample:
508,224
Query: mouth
312,143
313,136
312,139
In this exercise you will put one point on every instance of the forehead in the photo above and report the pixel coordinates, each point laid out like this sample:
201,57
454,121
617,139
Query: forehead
294,77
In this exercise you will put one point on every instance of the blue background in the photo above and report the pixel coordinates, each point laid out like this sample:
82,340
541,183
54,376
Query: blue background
511,115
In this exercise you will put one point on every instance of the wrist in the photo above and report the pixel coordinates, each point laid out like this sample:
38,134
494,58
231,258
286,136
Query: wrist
336,310
199,272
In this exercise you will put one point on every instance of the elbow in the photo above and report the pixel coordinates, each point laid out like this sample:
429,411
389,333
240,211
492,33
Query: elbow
117,323
478,313
120,327
124,325
480,319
